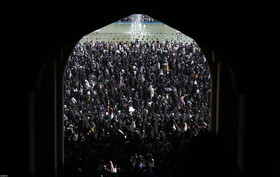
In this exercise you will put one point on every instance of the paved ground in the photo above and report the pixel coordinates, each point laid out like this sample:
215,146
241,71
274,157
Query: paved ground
147,32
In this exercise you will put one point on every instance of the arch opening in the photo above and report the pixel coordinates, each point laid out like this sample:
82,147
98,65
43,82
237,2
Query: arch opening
135,81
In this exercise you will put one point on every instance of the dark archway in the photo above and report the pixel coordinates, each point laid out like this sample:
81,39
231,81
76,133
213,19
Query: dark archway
91,93
50,34
50,122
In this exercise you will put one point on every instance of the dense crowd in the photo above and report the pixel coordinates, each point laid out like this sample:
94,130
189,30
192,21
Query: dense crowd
131,107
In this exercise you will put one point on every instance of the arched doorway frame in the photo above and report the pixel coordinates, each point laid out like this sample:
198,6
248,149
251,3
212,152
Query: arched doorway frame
51,81
66,51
